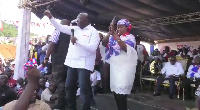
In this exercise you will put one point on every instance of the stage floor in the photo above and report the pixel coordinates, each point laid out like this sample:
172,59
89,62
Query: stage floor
141,101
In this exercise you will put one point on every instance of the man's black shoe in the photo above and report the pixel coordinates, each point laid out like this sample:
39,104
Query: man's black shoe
156,94
171,96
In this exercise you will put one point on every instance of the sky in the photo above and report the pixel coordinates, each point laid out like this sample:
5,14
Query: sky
10,12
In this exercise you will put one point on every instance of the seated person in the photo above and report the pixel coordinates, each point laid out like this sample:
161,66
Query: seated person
6,93
95,79
194,70
155,66
27,100
49,96
42,86
43,69
156,54
171,71
19,88
166,54
11,81
195,53
193,76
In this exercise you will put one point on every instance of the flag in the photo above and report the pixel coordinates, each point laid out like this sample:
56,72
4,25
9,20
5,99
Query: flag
16,23
44,25
1,25
38,24
33,24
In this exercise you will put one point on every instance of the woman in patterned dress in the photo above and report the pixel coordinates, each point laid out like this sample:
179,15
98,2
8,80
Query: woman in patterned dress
123,60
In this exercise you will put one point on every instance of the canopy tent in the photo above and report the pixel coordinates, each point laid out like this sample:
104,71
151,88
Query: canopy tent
152,19
7,51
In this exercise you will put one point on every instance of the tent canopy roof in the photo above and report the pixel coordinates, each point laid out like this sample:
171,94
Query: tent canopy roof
141,13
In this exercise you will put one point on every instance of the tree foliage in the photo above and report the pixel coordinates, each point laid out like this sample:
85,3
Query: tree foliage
10,30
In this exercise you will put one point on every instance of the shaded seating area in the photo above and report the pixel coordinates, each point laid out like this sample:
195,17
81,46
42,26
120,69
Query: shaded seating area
152,78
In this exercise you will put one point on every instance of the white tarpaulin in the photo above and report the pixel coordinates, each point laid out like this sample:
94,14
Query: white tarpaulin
22,43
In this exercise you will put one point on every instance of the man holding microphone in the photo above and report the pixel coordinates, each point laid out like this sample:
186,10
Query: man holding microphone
80,58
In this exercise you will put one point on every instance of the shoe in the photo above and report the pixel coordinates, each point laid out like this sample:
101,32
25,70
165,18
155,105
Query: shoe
156,94
171,96
133,91
92,102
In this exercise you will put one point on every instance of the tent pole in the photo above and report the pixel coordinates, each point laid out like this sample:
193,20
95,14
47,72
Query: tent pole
22,49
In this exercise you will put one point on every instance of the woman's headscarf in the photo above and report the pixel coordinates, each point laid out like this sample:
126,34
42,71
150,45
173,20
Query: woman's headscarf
113,47
126,23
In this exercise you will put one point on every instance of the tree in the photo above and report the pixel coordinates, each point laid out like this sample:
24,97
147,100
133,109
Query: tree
9,30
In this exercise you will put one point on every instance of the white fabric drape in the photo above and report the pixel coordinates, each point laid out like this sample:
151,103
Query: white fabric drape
122,71
22,43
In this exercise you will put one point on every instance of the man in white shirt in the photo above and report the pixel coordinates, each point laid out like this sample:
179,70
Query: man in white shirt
171,71
95,79
80,58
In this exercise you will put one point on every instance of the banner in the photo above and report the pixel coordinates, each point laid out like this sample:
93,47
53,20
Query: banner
16,24
33,24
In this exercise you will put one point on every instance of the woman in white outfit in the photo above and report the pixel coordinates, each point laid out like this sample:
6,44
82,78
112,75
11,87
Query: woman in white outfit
123,60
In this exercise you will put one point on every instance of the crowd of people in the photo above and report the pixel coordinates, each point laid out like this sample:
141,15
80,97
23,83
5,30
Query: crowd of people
76,60
175,65
8,40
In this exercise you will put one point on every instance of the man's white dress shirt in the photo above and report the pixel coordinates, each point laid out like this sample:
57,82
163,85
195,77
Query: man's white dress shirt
83,53
170,69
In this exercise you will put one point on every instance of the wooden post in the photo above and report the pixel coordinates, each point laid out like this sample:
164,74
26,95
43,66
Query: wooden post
22,39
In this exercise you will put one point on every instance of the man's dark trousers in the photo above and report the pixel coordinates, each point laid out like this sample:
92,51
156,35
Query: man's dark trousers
83,77
171,79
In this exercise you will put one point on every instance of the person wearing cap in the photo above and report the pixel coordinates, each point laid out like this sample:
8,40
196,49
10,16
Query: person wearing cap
80,58
171,71
123,60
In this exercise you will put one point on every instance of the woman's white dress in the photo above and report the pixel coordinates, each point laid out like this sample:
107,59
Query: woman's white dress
123,68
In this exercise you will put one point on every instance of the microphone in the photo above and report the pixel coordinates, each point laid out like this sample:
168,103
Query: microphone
73,39
72,31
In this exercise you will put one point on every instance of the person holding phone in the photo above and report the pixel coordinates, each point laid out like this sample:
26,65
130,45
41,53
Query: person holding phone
123,57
